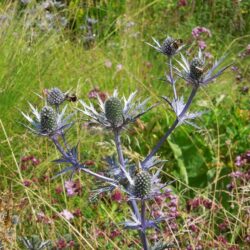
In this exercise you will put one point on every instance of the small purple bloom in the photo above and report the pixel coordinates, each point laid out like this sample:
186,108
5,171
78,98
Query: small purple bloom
117,196
108,64
67,214
73,187
183,3
197,31
202,45
27,183
208,55
237,174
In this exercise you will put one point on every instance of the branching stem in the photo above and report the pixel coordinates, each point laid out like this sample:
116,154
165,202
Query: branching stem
171,129
120,155
132,203
77,164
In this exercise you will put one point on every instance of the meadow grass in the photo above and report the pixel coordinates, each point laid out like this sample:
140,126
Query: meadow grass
29,63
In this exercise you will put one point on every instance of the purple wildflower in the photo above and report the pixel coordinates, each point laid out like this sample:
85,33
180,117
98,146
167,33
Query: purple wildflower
117,196
183,3
115,233
108,64
202,45
197,31
95,93
243,159
73,187
237,174
58,190
27,183
67,214
208,55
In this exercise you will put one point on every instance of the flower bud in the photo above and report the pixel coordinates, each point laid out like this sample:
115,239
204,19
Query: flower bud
142,184
168,46
48,119
55,96
114,111
196,68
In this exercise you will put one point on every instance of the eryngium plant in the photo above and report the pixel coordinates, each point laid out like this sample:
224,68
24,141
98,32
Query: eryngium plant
138,180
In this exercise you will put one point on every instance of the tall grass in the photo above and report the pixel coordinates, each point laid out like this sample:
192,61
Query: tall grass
30,62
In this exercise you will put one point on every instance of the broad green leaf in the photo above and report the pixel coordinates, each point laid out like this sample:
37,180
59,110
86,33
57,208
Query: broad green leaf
178,156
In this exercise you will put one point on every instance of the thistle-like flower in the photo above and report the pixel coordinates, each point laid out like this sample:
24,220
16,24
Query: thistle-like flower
142,184
115,112
194,72
35,243
169,47
48,119
47,122
146,186
55,96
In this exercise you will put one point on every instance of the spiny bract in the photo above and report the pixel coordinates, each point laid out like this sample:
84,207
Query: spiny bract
55,96
142,185
196,68
114,111
48,119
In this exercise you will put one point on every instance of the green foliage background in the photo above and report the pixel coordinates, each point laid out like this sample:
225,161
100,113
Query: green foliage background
60,57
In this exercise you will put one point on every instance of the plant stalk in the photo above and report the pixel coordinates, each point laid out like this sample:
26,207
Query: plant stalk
77,164
120,154
132,203
172,78
143,225
171,129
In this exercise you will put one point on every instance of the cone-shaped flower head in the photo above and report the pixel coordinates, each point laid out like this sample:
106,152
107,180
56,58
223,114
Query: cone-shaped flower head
193,71
142,184
48,119
168,46
55,96
114,111
196,68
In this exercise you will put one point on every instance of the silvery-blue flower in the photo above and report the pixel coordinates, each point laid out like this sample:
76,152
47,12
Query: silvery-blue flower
169,47
118,112
47,122
195,72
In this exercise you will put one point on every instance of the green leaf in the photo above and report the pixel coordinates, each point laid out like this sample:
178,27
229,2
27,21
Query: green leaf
178,156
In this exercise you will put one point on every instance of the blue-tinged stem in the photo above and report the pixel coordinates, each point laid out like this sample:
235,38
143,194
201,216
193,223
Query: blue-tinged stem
172,78
59,147
102,177
77,164
132,203
171,129
143,225
120,154
65,141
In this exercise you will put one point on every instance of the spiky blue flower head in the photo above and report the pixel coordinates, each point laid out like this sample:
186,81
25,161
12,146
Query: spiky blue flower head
169,46
196,68
47,122
142,184
55,96
48,119
114,111
193,72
